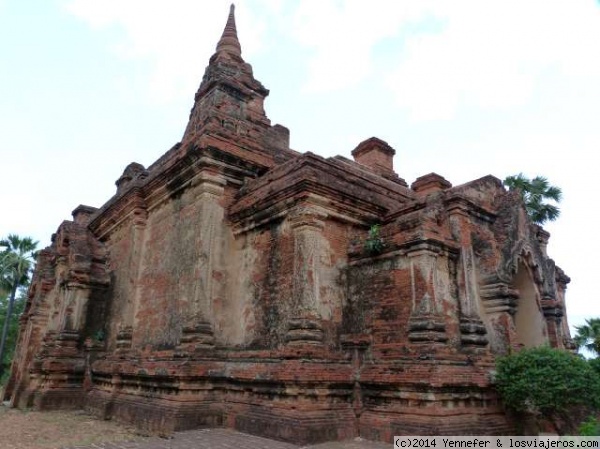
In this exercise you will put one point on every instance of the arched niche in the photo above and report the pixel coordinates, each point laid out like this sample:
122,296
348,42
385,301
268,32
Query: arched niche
530,326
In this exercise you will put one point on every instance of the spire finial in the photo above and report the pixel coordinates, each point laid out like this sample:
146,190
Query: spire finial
229,42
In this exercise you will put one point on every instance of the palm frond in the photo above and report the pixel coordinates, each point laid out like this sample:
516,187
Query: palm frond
535,192
554,193
588,336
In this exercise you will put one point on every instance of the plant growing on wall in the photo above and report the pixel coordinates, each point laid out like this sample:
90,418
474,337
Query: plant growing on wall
374,243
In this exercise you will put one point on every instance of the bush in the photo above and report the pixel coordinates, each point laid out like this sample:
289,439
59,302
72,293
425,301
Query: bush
595,364
549,384
589,428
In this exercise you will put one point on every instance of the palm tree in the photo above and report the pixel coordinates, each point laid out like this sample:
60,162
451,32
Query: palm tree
588,336
16,261
535,192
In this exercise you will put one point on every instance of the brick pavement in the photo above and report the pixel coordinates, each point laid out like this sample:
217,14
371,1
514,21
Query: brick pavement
225,439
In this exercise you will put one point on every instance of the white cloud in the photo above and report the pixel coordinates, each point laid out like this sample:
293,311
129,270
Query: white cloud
442,55
342,36
492,55
176,37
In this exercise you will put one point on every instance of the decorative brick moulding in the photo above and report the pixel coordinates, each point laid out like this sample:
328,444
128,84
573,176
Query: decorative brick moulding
230,284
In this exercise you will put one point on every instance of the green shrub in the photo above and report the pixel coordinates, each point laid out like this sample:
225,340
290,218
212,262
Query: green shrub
549,384
595,364
589,428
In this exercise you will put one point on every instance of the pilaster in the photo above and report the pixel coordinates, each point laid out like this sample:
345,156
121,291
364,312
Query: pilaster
139,218
305,322
472,329
499,300
427,323
553,313
198,332
72,313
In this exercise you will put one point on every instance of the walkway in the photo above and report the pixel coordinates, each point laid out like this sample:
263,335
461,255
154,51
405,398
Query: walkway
226,439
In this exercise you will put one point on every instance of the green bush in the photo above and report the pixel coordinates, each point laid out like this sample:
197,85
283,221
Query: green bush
589,428
595,364
549,384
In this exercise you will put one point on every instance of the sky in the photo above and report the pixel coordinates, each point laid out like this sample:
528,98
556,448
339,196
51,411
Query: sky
464,88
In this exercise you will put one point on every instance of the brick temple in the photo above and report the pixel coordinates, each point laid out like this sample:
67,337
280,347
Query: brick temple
236,282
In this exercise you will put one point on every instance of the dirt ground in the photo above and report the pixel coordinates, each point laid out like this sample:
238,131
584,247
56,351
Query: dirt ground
23,429
53,430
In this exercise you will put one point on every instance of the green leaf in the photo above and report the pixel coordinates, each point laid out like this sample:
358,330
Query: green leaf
535,193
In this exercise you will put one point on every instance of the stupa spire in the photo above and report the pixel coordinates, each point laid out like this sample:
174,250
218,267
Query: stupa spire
229,42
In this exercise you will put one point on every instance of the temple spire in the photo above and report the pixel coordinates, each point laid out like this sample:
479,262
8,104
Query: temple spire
229,42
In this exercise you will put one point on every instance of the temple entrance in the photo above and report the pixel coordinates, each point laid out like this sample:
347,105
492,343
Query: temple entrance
529,320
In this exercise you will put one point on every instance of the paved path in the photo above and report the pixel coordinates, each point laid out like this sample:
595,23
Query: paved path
225,439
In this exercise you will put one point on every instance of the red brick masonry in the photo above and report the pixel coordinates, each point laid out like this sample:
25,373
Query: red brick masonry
236,282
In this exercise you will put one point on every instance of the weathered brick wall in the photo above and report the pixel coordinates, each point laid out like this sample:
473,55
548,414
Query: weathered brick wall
121,266
230,284
168,270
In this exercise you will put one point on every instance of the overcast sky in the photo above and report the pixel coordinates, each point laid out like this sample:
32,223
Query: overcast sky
460,88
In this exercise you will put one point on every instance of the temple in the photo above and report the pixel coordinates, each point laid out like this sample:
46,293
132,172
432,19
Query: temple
236,282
